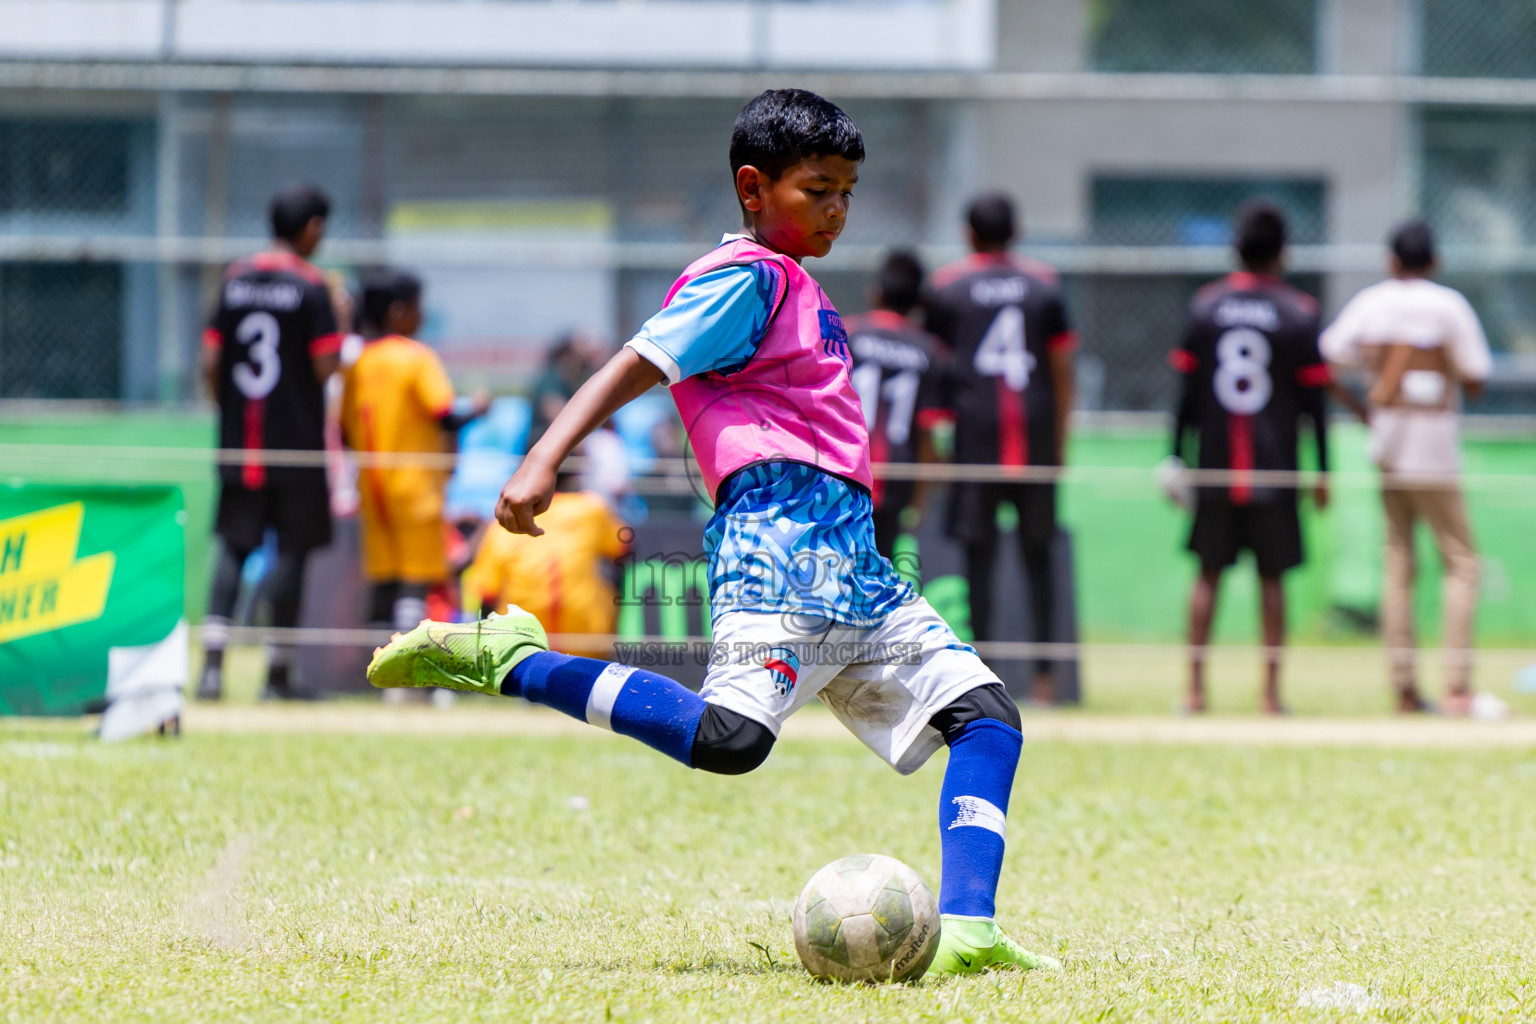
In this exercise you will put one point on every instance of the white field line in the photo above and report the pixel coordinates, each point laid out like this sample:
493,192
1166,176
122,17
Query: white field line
814,723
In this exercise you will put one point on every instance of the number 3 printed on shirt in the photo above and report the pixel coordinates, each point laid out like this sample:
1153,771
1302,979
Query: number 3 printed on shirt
1002,352
1242,381
257,378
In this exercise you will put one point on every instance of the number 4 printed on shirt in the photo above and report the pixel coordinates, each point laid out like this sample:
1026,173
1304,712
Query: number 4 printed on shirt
1002,352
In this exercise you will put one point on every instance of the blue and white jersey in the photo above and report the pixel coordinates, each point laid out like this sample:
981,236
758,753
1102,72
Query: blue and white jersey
714,323
788,538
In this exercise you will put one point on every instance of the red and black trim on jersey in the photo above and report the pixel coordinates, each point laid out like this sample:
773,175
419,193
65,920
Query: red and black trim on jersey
273,320
894,362
1003,320
1251,368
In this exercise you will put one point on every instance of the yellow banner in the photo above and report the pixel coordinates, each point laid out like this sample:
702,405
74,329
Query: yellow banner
42,587
40,542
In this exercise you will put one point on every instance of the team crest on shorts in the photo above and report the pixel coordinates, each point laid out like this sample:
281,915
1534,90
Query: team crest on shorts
783,666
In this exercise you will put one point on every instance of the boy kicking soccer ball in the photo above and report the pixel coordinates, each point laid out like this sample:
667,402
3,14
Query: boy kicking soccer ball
803,606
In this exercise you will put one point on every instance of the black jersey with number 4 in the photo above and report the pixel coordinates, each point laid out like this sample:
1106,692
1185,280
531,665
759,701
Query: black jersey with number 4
273,319
1252,369
1001,316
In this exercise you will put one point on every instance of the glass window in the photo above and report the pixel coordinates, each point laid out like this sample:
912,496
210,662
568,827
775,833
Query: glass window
1487,39
64,166
1478,190
61,329
1479,175
1276,37
1129,322
1142,210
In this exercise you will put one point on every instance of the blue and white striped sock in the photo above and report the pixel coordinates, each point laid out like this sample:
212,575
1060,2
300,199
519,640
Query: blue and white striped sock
973,816
659,712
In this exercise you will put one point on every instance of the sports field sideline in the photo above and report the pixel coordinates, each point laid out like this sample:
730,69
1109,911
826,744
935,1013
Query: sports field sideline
815,724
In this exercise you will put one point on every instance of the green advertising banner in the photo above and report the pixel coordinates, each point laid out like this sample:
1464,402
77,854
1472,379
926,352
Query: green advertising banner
87,575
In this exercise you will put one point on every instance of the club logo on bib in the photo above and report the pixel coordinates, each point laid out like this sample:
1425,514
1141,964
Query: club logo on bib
783,666
834,336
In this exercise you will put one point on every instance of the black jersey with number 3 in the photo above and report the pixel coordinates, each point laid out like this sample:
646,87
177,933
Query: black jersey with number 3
1001,316
273,319
1252,369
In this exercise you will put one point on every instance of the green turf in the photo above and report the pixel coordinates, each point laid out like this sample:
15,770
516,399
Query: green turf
263,877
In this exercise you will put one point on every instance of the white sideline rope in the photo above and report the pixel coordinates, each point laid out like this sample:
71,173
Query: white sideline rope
1002,650
670,476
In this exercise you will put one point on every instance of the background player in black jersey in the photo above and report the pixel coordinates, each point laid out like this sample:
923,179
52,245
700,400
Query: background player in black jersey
1251,369
270,347
893,360
1008,384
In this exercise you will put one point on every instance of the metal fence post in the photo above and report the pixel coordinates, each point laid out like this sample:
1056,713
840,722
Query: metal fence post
167,198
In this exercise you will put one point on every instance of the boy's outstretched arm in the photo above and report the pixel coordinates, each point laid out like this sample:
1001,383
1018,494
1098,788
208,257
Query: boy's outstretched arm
622,379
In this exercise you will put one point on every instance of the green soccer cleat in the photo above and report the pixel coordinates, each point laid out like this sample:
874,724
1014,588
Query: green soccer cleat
473,656
969,946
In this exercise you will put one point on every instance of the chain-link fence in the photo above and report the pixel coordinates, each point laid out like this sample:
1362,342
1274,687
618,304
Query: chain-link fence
1455,38
1485,39
532,216
1277,37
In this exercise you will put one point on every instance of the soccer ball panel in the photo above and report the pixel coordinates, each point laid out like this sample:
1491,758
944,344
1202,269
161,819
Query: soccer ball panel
823,925
866,918
892,911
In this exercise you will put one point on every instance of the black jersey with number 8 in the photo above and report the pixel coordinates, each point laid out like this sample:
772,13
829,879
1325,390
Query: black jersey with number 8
1251,360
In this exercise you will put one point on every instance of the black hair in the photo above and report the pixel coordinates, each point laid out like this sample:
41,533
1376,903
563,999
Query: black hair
384,288
1260,234
294,207
1413,243
990,216
781,127
900,281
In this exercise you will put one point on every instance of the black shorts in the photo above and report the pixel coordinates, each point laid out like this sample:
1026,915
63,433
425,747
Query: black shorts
973,511
1271,530
298,507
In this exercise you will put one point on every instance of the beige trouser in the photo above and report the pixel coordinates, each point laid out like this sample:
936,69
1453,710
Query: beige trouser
1446,512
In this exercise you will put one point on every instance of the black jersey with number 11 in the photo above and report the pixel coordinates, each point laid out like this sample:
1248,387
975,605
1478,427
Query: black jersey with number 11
273,319
1001,316
894,362
1252,368
892,356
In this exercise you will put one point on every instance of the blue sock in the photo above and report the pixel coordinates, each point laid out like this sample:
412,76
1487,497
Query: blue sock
659,712
973,809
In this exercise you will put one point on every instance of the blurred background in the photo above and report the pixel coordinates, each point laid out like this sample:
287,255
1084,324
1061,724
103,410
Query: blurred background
549,165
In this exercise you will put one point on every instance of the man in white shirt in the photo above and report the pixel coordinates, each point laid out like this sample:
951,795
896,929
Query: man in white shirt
1420,344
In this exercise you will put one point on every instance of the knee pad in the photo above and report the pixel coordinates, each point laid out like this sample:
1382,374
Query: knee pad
990,701
729,744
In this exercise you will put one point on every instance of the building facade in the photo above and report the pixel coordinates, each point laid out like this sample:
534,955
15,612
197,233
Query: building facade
550,164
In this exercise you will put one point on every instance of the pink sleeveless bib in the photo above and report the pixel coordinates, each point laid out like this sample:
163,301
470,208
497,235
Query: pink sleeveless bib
794,400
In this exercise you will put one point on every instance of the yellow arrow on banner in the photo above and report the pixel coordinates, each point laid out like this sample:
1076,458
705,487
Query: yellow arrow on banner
42,586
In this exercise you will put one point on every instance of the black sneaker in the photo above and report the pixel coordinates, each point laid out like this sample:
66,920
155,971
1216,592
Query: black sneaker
280,686
211,686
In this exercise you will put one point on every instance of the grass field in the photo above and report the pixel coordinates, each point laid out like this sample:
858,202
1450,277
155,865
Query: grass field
255,875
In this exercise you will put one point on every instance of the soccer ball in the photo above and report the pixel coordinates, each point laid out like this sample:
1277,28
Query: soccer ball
866,918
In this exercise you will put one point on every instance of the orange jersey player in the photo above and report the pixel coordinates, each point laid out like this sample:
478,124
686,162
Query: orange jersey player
557,576
398,399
